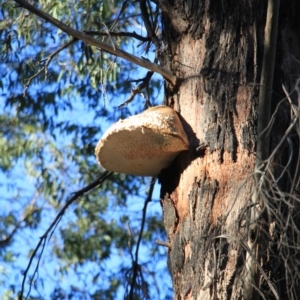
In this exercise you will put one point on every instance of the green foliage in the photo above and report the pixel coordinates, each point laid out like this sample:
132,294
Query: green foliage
53,110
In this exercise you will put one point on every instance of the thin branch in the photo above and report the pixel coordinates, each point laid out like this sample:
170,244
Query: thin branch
162,243
148,200
46,61
167,74
286,134
148,25
121,33
295,111
124,6
51,228
135,262
138,90
109,35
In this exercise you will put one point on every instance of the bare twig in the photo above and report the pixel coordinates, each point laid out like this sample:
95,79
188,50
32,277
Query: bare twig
138,90
51,228
162,243
167,74
135,264
46,61
109,35
148,25
296,110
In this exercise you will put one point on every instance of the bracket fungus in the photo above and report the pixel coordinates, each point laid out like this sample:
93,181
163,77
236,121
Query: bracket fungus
143,144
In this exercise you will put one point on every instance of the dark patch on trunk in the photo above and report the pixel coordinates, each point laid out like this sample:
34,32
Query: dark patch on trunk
169,177
212,137
231,139
169,216
176,256
237,272
247,138
202,199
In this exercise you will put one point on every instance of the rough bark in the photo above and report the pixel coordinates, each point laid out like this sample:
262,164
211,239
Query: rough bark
217,50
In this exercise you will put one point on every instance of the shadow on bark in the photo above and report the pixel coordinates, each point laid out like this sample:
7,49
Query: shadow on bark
169,178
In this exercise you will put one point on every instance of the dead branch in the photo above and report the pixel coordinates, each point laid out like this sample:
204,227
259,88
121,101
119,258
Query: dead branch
138,90
109,35
162,243
295,112
51,228
124,6
135,266
167,74
149,27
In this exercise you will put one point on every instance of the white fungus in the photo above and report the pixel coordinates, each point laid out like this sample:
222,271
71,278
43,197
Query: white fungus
143,144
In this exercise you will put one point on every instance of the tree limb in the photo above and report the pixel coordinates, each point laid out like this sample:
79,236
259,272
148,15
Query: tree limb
167,74
135,265
51,228
121,33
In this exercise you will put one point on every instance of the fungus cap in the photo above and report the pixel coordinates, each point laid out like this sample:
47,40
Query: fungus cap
143,144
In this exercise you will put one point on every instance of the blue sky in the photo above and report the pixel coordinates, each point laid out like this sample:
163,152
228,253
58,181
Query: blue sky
15,199
10,273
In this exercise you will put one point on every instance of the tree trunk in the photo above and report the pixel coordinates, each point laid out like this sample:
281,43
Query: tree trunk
216,48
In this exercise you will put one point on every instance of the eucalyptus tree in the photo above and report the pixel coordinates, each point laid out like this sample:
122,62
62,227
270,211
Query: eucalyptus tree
231,202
